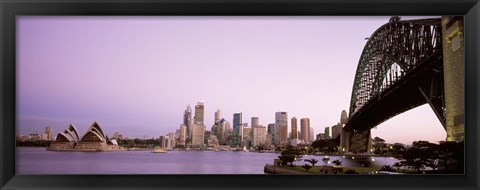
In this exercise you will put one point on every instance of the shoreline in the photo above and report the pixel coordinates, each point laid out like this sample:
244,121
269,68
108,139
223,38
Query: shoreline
348,156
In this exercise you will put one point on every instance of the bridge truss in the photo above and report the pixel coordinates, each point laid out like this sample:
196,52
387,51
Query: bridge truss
397,52
391,52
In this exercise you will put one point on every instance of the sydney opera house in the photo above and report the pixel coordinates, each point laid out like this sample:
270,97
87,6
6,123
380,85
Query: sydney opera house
93,140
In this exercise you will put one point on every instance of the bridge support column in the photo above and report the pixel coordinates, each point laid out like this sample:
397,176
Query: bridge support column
356,141
454,76
345,140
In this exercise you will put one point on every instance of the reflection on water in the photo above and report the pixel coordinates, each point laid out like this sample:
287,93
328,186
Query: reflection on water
40,161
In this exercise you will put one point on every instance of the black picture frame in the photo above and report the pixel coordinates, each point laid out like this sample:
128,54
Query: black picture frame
9,9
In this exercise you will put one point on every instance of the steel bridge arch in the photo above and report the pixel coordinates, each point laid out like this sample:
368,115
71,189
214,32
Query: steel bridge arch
392,51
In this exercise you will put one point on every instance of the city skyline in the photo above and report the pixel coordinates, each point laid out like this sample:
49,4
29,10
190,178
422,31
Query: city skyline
138,73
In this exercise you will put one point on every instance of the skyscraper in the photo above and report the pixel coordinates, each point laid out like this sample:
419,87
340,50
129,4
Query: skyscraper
218,116
183,135
117,136
328,133
171,140
242,132
294,128
199,113
305,129
343,117
268,139
198,135
214,128
255,122
48,133
312,134
216,122
167,142
187,120
246,137
271,131
237,124
198,127
281,128
228,128
222,131
259,135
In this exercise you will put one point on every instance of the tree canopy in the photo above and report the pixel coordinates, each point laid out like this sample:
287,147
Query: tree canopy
325,146
422,154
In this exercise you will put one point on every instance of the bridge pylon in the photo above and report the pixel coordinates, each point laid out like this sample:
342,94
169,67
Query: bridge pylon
454,76
356,141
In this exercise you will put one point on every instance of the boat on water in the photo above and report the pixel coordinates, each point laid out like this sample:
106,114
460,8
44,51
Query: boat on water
159,150
245,149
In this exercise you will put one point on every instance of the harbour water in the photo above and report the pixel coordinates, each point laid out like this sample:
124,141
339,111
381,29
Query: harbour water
40,161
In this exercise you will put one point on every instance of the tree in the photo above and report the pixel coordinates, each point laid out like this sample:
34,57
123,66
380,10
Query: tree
312,161
325,160
337,162
387,168
395,149
130,143
291,150
288,155
451,155
397,165
413,157
288,158
432,160
379,145
419,155
306,167
325,146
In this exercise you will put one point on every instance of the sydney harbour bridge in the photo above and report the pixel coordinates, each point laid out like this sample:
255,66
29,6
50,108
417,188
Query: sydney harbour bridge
405,64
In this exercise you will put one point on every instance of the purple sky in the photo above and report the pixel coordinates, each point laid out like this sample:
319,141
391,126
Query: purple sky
135,75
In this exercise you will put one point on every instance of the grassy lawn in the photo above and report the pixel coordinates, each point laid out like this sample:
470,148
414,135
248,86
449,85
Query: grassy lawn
316,169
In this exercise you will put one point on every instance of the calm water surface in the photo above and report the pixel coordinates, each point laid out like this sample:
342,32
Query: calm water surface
40,161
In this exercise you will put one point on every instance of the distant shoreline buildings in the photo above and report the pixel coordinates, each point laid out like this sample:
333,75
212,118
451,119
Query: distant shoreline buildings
239,134
192,133
46,136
